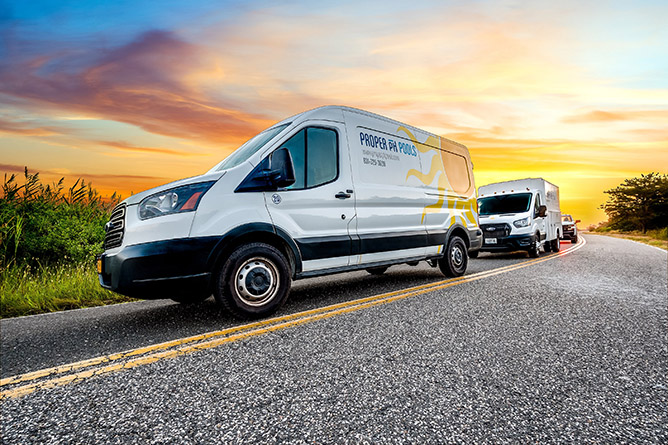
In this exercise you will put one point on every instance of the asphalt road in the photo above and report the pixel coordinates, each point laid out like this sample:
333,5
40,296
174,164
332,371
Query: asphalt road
572,349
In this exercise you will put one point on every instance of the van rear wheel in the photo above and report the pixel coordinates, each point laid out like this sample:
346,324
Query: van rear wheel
456,259
556,244
253,282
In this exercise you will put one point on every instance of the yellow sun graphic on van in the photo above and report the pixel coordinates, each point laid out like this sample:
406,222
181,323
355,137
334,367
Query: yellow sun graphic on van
449,166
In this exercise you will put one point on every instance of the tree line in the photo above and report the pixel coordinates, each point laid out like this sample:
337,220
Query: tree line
639,203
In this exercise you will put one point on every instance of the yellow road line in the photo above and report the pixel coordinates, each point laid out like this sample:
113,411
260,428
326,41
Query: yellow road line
252,329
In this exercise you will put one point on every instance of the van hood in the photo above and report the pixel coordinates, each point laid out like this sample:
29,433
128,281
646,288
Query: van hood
136,199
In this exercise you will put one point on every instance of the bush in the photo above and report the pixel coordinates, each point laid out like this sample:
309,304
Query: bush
45,224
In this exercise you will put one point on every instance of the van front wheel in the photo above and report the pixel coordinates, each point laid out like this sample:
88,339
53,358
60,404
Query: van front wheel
253,282
456,259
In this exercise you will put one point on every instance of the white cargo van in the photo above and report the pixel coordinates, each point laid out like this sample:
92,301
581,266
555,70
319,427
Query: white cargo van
329,190
520,215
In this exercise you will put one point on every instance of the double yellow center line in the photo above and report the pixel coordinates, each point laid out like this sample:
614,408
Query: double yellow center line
22,384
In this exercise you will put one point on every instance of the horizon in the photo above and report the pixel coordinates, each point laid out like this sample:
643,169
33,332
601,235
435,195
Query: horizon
132,95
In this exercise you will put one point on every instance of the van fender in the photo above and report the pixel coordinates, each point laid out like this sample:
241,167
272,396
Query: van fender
459,230
254,232
442,238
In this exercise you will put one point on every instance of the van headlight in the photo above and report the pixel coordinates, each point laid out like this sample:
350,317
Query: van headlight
176,200
524,222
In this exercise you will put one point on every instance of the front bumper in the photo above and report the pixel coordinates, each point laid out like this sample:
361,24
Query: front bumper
509,243
161,269
569,234
475,239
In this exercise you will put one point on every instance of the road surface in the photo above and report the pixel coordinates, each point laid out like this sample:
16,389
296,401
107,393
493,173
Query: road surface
566,348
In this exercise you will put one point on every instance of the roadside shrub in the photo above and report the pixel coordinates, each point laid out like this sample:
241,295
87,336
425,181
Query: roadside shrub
48,224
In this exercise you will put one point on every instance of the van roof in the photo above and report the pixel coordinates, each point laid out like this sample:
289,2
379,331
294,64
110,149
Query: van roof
334,112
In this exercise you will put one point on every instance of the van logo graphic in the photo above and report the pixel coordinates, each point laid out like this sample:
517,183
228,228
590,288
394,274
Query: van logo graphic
276,198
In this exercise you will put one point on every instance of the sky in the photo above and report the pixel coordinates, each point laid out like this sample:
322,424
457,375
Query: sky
134,94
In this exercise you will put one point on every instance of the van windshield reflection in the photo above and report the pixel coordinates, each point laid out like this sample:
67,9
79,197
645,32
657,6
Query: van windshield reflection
496,205
251,147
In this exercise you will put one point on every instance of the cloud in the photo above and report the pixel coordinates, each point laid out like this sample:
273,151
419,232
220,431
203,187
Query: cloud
121,145
105,184
146,82
25,129
12,168
597,116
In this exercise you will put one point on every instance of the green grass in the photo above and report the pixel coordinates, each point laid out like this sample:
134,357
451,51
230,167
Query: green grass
657,238
26,291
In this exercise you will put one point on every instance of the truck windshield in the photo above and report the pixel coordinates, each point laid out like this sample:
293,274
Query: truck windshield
249,148
566,218
495,205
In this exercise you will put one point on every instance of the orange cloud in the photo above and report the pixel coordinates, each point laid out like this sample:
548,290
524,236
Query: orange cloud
105,184
612,116
23,129
157,150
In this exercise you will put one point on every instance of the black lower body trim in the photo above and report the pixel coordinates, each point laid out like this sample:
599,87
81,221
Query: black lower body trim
336,246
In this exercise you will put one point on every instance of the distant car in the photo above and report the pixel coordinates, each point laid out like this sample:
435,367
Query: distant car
569,229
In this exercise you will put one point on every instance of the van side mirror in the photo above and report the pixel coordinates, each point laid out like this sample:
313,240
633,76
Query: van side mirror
577,221
281,168
542,211
275,171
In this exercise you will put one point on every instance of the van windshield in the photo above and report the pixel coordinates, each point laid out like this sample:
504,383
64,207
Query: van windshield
251,147
495,205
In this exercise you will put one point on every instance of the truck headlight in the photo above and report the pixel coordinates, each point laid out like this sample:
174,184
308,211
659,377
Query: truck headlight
524,222
177,200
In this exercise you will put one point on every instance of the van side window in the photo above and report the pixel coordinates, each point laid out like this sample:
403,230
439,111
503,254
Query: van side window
537,206
322,157
314,153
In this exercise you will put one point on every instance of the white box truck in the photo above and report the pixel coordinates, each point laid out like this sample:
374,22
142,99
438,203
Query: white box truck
329,190
520,215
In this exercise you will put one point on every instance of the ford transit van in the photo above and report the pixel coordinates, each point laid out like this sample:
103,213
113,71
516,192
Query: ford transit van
520,215
330,190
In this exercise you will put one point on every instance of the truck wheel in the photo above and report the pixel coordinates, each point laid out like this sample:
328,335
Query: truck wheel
574,240
556,245
456,259
534,250
253,282
377,270
548,246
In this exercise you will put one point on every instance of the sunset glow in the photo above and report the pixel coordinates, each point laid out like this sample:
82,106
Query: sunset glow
130,95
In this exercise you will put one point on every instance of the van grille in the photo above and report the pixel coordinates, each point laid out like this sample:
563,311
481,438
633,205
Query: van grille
115,228
495,230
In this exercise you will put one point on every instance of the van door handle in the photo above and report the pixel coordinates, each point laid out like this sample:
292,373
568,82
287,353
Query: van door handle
343,195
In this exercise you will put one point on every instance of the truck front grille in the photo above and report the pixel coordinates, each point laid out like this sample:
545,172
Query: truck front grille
495,230
115,228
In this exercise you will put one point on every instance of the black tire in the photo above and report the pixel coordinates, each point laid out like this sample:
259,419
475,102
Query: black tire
191,299
555,245
534,250
474,254
254,281
548,246
574,240
455,259
377,270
